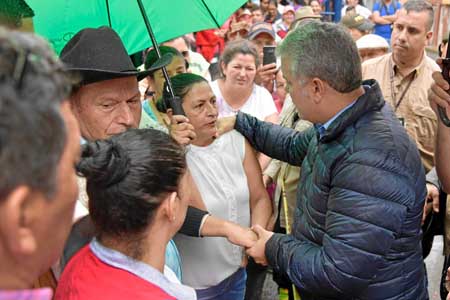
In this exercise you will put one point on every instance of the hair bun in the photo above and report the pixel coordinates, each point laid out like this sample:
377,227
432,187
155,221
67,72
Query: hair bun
104,163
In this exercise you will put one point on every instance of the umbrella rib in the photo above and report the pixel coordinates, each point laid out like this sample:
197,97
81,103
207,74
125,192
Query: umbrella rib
109,15
210,13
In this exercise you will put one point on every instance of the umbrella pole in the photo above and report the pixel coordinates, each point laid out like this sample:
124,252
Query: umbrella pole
155,44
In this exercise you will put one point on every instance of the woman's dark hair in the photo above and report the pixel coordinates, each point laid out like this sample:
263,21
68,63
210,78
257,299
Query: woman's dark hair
181,84
127,177
152,56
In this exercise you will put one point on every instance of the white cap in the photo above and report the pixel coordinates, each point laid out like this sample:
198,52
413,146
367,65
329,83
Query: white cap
371,41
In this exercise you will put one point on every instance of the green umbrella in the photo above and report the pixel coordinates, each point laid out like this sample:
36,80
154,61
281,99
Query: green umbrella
59,20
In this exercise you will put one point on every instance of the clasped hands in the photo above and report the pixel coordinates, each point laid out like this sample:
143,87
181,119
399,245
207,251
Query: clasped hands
253,239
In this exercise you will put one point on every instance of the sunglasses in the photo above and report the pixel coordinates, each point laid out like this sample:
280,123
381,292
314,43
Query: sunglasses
20,64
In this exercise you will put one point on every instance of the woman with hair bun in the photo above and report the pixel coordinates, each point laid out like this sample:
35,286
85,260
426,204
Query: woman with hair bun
138,188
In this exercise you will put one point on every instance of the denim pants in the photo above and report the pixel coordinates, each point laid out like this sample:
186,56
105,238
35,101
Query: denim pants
231,288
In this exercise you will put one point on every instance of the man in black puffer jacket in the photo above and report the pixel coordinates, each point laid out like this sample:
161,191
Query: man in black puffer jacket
356,232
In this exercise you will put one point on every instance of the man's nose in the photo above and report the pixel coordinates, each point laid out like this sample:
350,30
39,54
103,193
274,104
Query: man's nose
125,115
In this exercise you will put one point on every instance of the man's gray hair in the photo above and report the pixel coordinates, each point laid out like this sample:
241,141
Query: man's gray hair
323,50
421,6
33,85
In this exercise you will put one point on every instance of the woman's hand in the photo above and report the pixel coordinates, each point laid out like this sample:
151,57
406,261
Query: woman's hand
240,236
181,130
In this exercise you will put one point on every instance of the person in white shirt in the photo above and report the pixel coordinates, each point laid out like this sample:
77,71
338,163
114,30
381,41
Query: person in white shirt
360,10
228,177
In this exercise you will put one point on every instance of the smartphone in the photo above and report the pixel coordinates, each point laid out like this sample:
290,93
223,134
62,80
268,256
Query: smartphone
175,104
269,55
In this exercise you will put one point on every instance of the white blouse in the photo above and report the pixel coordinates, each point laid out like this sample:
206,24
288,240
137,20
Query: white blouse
219,173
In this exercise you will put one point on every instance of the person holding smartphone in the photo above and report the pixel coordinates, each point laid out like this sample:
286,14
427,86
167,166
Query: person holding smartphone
262,35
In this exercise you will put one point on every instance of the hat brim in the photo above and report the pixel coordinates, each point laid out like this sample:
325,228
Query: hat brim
96,75
254,34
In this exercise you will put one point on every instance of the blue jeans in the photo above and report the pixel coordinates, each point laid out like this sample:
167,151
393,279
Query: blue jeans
231,288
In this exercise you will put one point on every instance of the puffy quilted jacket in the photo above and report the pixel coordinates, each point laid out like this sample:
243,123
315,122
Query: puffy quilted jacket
356,232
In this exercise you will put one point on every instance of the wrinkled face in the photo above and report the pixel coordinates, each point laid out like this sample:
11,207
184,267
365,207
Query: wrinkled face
315,5
367,54
297,87
53,227
199,104
264,4
240,71
261,40
107,108
409,35
177,66
288,17
257,16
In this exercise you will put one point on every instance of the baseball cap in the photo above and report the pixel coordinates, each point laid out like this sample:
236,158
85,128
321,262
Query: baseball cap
259,28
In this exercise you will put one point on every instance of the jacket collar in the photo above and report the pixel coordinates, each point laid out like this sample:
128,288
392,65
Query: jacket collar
371,100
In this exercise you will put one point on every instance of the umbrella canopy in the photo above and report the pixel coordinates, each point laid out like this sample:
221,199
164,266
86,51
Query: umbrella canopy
59,20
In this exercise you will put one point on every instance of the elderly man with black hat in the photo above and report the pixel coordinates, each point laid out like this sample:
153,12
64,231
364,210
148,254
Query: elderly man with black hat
107,103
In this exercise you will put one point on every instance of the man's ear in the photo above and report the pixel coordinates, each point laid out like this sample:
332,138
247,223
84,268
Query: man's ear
15,219
429,35
317,89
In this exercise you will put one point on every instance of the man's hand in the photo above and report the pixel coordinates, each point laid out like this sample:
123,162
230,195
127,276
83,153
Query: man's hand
265,75
438,95
257,251
431,201
240,236
181,130
225,125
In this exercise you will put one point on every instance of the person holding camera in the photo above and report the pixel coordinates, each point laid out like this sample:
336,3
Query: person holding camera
263,36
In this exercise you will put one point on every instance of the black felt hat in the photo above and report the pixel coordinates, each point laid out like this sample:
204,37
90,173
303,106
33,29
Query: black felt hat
98,54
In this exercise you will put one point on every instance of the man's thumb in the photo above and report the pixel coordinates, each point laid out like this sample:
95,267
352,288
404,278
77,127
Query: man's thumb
258,230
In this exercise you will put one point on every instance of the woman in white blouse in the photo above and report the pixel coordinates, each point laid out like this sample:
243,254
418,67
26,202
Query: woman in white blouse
228,177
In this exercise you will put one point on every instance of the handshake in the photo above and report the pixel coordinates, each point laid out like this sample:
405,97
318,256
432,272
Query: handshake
253,239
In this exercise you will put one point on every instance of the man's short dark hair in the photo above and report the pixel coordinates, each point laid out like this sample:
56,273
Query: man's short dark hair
33,85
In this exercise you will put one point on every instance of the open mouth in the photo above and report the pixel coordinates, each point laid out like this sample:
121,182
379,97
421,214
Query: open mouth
211,124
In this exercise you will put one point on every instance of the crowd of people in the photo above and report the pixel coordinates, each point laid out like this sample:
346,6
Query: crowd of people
323,161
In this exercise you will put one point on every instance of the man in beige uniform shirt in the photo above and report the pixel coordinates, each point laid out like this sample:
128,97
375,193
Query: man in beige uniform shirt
405,75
